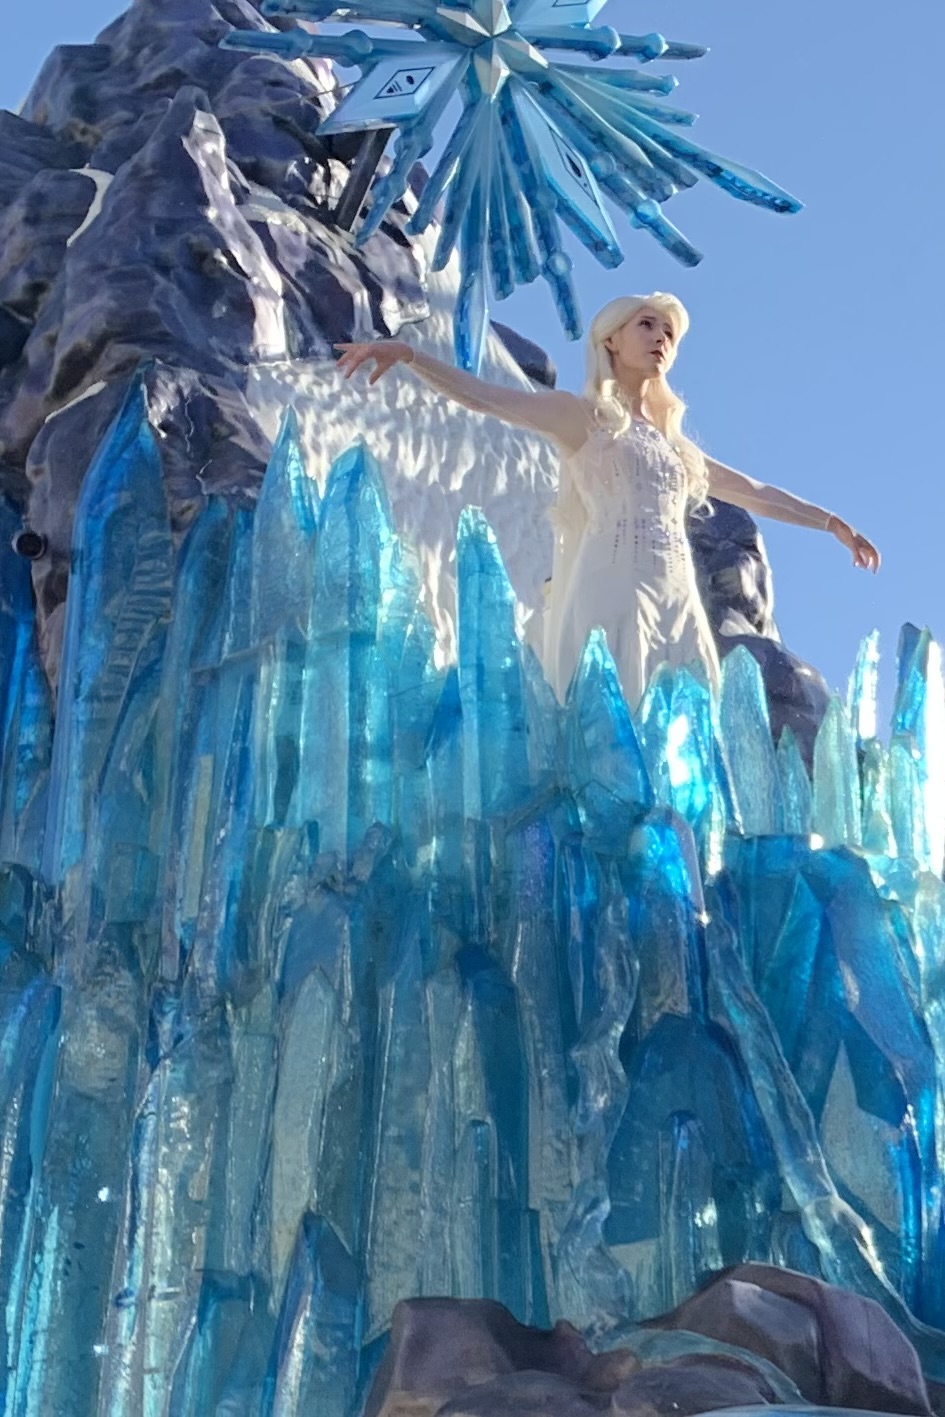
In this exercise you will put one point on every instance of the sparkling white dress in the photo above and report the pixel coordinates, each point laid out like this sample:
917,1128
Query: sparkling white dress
621,559
631,571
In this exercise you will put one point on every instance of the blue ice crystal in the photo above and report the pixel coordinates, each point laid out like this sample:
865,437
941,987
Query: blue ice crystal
342,977
539,141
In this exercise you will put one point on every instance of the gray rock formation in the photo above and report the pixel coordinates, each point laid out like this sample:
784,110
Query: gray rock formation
163,201
735,583
208,251
777,1337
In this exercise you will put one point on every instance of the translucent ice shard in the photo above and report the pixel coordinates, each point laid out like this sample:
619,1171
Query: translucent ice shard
844,1244
689,1228
543,722
309,1036
395,1213
227,1350
25,709
861,694
188,698
538,966
491,686
919,717
836,780
107,767
244,1216
682,1080
415,684
826,949
680,739
493,1105
877,824
929,925
906,800
439,1259
795,785
29,1018
471,1206
222,961
605,765
318,1337
780,936
700,789
747,732
284,532
83,1176
344,771
444,756
604,975
168,1209
652,721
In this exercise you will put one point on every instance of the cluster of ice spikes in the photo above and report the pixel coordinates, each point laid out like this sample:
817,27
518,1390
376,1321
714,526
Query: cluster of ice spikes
330,977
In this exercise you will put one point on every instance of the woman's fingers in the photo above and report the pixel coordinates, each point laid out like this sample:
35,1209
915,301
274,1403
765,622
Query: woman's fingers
357,353
353,356
865,553
871,555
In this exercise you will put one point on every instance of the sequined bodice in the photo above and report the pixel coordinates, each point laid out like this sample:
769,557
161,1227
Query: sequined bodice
634,488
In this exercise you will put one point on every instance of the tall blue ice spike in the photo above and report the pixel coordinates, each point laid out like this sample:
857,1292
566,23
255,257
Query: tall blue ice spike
344,765
284,530
861,693
744,715
490,672
570,128
25,708
606,769
116,626
919,725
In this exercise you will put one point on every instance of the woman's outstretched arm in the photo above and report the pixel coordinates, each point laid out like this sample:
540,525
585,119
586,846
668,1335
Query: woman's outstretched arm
561,416
758,498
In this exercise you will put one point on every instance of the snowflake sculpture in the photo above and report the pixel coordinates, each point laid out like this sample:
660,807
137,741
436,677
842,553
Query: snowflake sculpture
539,139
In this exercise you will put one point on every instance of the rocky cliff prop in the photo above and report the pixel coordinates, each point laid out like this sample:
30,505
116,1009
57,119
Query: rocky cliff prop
168,202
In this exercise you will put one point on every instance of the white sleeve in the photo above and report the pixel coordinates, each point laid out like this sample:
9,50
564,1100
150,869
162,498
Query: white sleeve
757,497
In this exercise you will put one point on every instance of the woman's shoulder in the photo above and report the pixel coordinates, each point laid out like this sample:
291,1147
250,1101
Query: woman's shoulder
575,406
581,422
584,409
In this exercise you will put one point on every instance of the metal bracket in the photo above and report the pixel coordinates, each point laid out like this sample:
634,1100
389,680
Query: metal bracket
362,173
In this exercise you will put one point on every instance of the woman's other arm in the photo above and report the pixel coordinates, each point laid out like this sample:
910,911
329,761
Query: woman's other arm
764,501
561,416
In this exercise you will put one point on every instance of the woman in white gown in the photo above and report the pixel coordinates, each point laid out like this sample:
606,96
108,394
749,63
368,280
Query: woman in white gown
628,473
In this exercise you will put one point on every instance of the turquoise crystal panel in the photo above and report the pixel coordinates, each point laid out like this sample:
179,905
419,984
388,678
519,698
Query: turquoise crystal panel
331,976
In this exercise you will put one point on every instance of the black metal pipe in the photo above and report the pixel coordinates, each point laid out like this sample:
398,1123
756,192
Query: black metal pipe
362,173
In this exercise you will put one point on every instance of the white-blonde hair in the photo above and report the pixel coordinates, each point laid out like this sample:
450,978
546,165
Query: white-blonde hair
664,408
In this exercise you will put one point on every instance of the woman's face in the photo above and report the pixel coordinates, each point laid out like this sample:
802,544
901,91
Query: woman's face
645,345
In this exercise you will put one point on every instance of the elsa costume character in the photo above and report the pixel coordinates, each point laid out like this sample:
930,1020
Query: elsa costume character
628,476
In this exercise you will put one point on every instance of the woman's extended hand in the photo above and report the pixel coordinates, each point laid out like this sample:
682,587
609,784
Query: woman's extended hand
862,549
384,352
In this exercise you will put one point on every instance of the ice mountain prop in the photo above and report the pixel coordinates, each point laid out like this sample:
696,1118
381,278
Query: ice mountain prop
332,978
170,203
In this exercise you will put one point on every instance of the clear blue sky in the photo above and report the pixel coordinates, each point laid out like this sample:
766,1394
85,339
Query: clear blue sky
815,360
